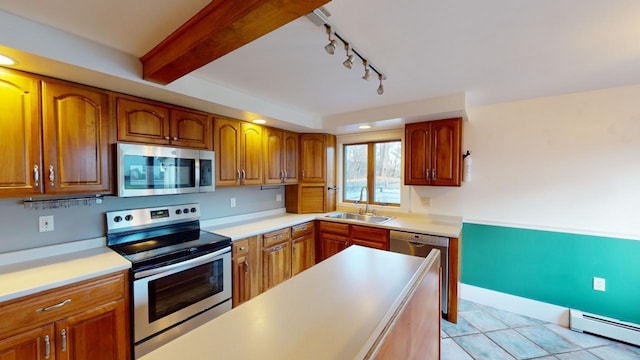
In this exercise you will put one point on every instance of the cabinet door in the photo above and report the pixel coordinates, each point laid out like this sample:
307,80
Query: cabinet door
241,280
312,158
276,265
191,129
303,255
36,344
251,159
21,169
290,157
76,139
274,156
226,139
417,154
98,333
368,236
331,244
447,156
142,122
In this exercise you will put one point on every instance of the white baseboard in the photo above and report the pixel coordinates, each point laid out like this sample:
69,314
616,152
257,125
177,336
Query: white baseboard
516,304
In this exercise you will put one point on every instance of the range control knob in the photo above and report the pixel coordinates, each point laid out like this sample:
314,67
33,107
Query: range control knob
193,209
128,217
178,212
185,210
117,218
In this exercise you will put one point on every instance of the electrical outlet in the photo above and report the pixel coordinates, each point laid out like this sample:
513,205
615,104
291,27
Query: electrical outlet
278,197
598,284
46,223
233,202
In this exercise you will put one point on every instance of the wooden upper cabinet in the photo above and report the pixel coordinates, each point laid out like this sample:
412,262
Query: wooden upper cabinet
433,153
313,158
20,172
239,152
281,156
251,157
226,139
191,129
144,122
290,157
75,139
149,122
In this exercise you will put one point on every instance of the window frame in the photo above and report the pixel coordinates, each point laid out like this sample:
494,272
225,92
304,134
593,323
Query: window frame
370,172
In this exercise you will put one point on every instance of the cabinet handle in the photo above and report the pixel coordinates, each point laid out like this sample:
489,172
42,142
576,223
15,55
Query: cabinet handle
285,174
64,340
53,307
246,266
47,347
238,180
175,138
282,175
426,174
433,174
52,175
36,175
279,237
244,175
242,248
167,138
279,247
303,174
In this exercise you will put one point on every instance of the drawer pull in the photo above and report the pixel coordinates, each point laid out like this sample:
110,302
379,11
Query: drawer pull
242,248
47,347
53,307
64,340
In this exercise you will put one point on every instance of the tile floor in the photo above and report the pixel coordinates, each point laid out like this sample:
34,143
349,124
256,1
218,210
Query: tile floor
483,333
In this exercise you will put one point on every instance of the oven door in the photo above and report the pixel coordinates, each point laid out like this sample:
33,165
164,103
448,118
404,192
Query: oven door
166,296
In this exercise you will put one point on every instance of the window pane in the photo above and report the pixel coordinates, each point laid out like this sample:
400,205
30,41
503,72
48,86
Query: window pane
387,172
355,171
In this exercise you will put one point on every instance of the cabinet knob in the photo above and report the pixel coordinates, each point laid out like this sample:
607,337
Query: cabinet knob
242,248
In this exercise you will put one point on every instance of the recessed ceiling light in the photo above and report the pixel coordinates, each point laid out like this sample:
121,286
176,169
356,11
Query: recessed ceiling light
363,127
7,61
259,121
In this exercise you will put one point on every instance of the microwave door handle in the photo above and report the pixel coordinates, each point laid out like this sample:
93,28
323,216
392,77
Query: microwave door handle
183,264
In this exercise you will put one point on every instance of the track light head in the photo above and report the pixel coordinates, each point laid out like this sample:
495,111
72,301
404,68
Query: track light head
347,63
330,48
380,88
367,71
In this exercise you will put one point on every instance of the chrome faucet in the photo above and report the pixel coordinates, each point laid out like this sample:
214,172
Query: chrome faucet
366,207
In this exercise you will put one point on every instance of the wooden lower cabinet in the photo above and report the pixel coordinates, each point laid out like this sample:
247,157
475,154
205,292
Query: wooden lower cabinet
276,265
87,320
246,269
368,236
303,243
333,237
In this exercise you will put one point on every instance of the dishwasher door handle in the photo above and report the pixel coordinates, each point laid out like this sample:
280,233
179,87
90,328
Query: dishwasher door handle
417,244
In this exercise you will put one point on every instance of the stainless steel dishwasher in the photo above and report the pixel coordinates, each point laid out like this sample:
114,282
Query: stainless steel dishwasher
420,245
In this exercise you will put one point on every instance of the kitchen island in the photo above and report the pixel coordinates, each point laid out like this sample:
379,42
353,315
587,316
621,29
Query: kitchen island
359,304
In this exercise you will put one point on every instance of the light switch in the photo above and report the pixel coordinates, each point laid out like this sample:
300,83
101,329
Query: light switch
598,284
232,203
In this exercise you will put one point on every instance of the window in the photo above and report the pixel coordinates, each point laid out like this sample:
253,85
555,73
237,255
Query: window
376,166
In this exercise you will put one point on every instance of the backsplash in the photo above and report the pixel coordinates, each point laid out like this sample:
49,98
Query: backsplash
19,226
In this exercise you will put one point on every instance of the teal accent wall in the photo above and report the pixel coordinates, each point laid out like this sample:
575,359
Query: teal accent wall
556,268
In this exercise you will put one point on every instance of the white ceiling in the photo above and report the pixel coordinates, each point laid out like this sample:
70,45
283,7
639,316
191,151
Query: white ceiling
491,51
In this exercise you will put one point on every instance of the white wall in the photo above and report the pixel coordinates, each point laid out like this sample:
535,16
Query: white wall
569,163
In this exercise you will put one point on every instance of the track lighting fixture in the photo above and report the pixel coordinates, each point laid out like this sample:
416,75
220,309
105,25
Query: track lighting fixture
319,17
330,48
347,63
380,88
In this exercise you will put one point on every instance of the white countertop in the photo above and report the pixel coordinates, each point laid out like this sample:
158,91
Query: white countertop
44,271
331,311
255,224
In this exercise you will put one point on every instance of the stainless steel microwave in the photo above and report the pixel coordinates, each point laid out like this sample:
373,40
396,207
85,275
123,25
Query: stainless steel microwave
145,170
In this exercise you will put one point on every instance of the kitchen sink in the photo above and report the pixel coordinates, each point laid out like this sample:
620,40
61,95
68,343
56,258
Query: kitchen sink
376,219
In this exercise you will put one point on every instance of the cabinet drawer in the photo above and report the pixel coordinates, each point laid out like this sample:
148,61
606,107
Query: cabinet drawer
276,237
335,228
39,309
301,230
239,248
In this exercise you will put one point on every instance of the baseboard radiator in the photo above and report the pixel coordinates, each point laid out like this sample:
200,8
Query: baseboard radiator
604,326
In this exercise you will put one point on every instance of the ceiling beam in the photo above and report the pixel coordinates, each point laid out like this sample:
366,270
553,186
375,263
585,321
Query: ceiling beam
218,29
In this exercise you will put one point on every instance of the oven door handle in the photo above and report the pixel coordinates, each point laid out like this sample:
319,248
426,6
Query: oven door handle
183,264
